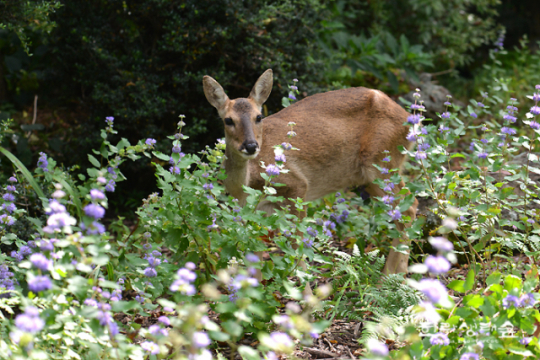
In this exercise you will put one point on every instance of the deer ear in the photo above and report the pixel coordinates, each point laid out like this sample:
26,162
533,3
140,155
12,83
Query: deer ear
262,88
214,93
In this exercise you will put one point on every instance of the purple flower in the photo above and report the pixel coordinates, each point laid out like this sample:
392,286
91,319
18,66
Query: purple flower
525,341
252,258
437,264
16,255
29,321
8,197
286,146
442,244
281,339
386,159
272,170
311,231
423,146
412,136
445,115
150,142
109,120
176,149
153,262
474,115
39,283
511,301
414,119
291,96
417,107
420,155
42,162
12,179
10,188
110,186
470,356
186,275
104,317
90,302
439,339
150,272
200,339
535,110
527,300
443,128
534,125
483,155
510,118
95,211
395,214
25,250
388,199
308,242
150,347
508,131
96,194
280,158
41,262
384,171
377,348
388,185
536,97
480,105
484,141
95,228
208,186
433,289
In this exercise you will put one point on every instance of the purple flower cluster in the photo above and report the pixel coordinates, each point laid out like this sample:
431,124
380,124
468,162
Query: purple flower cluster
150,347
272,170
39,283
238,282
6,283
154,261
526,300
150,142
29,321
8,205
439,339
185,277
42,162
59,219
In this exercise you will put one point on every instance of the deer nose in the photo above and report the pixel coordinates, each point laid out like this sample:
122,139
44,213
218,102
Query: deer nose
251,147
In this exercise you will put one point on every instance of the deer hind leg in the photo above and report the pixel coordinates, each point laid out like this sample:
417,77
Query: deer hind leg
396,262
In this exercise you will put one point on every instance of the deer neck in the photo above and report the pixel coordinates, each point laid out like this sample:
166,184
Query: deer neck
237,170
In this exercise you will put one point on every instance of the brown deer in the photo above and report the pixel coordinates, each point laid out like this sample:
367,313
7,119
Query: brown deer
341,134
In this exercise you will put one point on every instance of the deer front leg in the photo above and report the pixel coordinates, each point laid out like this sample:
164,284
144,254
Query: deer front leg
396,262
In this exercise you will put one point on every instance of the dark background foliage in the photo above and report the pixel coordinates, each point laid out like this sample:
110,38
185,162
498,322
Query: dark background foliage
143,61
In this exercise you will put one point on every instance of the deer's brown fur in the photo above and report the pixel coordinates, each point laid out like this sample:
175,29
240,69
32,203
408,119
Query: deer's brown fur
340,134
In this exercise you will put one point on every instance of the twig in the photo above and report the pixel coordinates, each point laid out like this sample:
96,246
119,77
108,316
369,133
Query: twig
351,354
319,352
35,116
330,344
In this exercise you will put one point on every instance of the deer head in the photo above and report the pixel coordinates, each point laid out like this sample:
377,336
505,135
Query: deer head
242,117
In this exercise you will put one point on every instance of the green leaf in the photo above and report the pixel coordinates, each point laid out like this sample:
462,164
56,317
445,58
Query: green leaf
476,301
233,328
457,285
248,353
218,335
94,161
494,278
512,282
469,281
26,174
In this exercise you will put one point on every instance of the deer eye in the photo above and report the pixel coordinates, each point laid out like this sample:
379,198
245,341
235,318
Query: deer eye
258,118
229,121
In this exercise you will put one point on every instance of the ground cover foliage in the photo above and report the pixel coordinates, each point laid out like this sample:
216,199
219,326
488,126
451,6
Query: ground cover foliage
178,282
73,286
